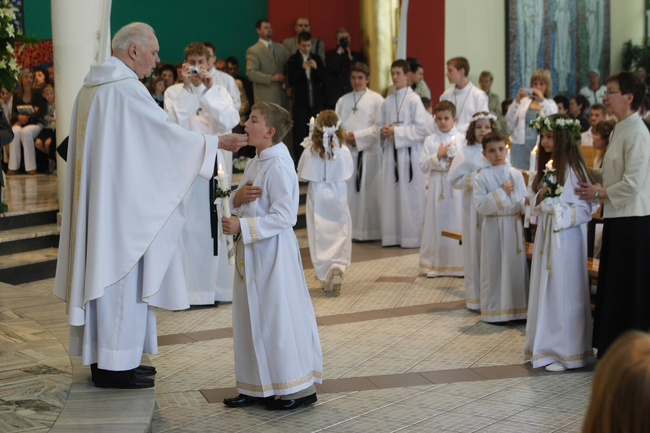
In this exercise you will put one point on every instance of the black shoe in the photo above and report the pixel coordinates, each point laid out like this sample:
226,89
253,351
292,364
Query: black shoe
243,400
145,370
290,404
132,382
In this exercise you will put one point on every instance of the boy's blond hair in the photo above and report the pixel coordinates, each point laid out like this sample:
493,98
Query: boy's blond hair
275,117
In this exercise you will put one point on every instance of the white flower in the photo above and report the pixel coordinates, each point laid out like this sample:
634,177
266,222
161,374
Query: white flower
559,189
13,65
10,30
10,48
3,64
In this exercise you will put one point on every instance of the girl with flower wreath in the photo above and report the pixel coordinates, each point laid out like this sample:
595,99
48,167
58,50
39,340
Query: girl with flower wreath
462,173
558,331
326,164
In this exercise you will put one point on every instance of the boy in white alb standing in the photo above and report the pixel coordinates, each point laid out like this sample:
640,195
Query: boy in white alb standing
402,125
467,98
359,111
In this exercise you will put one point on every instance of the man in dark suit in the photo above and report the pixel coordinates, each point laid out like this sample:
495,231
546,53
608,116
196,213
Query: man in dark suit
338,62
306,73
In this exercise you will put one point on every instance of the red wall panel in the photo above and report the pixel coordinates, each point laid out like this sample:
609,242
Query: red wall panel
426,41
326,16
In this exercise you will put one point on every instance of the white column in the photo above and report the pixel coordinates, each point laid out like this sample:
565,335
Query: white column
80,38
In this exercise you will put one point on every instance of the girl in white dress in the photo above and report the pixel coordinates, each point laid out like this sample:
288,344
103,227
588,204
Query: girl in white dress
558,331
326,164
462,173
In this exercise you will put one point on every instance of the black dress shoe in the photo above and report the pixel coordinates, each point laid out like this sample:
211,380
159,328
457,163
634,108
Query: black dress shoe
133,381
290,404
145,370
243,400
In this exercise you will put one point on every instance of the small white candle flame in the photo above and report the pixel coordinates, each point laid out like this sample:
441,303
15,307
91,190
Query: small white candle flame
220,172
312,121
549,165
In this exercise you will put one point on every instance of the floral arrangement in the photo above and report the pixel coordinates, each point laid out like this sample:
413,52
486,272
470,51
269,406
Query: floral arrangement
240,163
549,179
541,124
11,43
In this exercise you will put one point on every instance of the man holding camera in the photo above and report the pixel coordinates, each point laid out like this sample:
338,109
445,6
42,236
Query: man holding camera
199,104
338,62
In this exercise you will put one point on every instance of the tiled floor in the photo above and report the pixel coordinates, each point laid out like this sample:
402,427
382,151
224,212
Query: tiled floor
387,330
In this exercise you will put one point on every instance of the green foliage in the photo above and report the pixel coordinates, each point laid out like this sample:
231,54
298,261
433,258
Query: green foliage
635,56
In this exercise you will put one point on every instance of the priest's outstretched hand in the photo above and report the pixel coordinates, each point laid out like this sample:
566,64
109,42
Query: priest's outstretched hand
233,142
230,225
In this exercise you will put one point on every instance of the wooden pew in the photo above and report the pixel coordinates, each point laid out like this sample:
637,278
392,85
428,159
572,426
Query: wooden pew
592,264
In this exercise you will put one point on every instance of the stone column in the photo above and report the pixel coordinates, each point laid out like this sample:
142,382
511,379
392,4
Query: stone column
80,38
379,25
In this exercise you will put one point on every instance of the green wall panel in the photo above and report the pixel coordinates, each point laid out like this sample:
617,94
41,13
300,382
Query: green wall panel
229,25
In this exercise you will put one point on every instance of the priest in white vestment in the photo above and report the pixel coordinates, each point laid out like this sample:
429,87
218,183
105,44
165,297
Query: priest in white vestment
359,111
402,125
277,349
467,98
205,108
126,183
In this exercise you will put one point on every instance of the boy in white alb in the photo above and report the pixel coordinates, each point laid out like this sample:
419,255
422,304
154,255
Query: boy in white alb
499,194
359,111
402,125
467,98
441,256
277,350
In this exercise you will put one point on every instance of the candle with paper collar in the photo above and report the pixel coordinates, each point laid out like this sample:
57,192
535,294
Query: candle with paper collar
222,178
532,170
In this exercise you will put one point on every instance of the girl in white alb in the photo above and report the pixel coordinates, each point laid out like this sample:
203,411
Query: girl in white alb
462,173
327,164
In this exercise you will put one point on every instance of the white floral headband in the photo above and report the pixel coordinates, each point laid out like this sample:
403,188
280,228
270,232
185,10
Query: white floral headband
483,116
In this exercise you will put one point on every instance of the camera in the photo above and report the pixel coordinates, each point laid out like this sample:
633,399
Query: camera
344,43
528,92
195,70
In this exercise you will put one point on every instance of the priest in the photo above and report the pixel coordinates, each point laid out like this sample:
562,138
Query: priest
402,125
128,178
359,111
200,104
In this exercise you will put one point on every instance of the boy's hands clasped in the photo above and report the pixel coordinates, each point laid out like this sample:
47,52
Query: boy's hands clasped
245,194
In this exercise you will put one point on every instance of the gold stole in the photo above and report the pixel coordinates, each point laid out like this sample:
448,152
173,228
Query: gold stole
86,96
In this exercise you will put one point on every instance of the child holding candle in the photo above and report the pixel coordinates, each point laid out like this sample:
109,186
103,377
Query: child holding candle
462,172
558,331
499,194
326,164
441,256
277,350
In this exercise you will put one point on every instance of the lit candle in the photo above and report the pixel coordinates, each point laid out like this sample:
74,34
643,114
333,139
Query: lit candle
312,124
220,172
532,169
549,165
533,160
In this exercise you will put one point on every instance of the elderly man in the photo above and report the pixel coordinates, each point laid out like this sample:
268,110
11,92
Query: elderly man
266,63
292,45
594,91
128,178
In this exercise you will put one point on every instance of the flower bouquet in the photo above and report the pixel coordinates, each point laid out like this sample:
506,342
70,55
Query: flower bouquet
11,43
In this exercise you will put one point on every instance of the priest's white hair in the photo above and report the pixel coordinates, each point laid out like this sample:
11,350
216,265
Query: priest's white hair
134,33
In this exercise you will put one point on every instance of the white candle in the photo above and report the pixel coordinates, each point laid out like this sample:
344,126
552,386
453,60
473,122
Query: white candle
220,173
533,160
222,178
549,165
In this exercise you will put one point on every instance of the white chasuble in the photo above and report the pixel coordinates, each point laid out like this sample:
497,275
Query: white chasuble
122,216
329,226
461,175
402,190
208,277
440,256
359,112
277,350
468,101
504,270
559,326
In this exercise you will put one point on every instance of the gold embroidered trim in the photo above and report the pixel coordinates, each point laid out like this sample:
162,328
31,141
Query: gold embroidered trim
278,386
573,217
439,268
468,180
252,228
472,301
497,199
569,358
501,312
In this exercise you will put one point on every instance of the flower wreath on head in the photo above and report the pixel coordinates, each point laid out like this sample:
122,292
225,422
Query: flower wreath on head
482,116
541,124
329,132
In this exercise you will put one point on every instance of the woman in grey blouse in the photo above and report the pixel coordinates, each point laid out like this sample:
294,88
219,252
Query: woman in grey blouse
623,298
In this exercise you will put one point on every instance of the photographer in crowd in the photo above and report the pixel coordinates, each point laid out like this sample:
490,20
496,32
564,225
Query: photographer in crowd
338,62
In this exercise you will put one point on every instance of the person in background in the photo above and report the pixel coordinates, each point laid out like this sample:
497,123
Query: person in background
233,70
416,80
221,77
157,90
503,123
168,73
47,136
179,72
6,98
302,24
338,62
485,80
596,114
24,124
594,91
578,106
466,97
562,103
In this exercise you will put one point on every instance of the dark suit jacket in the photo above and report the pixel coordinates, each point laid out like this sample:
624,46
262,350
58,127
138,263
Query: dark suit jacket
306,92
337,80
